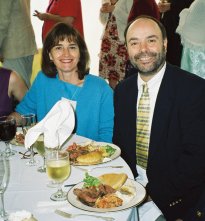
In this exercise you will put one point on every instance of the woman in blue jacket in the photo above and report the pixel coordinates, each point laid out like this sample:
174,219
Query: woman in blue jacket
65,73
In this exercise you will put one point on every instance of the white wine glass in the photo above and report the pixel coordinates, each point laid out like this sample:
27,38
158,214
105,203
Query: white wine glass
28,121
7,133
58,169
4,179
40,148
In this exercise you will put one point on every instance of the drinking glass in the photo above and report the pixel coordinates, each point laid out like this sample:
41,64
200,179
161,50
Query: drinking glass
58,170
39,145
4,178
28,121
7,133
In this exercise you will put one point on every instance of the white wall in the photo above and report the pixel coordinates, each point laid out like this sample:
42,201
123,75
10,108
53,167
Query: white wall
92,27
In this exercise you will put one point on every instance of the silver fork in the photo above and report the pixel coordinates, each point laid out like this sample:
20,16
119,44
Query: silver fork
90,169
69,215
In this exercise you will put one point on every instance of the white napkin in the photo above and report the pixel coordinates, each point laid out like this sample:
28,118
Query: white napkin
56,126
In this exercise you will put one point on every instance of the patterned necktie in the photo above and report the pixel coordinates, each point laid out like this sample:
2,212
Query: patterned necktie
143,133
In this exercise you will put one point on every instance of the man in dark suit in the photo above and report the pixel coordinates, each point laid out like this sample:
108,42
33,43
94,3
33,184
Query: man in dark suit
175,171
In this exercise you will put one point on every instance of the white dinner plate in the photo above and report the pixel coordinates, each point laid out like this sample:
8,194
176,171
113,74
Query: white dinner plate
106,159
137,199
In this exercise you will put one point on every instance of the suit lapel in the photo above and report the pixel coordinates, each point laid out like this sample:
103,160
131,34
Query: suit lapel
162,111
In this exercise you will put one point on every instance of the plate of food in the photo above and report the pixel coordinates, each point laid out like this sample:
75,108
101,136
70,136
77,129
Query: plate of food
92,153
108,193
18,139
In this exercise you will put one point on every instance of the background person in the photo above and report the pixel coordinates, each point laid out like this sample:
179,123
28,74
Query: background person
167,154
170,19
66,11
12,89
65,73
144,7
192,33
17,39
113,53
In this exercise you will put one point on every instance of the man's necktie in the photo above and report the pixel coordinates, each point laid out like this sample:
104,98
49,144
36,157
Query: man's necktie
143,133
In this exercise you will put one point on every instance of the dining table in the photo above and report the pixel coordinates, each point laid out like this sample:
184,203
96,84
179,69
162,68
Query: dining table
28,189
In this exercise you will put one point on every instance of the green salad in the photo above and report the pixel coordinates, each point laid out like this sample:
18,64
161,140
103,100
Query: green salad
90,181
110,150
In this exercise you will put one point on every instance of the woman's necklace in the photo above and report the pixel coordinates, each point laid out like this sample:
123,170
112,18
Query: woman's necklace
74,93
78,86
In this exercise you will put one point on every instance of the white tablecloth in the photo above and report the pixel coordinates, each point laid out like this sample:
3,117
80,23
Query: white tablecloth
28,190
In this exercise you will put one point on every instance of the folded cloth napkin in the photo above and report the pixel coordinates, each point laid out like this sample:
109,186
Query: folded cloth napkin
56,126
21,216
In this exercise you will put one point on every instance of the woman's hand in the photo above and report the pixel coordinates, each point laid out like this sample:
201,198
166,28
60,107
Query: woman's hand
41,16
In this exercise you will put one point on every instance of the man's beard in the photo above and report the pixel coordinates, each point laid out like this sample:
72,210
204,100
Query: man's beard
154,67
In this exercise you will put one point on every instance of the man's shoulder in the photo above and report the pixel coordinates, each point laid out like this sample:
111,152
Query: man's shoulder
185,81
179,73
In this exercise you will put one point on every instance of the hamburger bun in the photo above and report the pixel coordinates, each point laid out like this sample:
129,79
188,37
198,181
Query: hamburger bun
93,157
115,180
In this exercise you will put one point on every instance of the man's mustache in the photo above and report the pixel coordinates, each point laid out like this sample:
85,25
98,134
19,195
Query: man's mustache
145,54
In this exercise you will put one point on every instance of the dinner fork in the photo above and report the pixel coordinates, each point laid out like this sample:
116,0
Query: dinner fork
90,169
69,215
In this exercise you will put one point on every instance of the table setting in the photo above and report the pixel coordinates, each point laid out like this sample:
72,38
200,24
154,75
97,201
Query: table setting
33,190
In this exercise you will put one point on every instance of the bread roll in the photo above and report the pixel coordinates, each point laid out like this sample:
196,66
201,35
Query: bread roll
93,157
115,180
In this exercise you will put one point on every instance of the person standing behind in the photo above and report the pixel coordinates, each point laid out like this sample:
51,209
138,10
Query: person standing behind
159,125
144,7
113,52
170,19
192,32
17,39
66,11
12,89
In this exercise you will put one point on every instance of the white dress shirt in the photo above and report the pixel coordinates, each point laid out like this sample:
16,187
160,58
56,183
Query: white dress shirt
149,211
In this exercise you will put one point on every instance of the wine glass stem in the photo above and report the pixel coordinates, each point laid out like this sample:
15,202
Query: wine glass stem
44,162
32,155
59,192
2,211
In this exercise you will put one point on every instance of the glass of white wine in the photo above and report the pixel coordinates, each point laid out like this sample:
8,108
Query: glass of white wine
58,169
40,148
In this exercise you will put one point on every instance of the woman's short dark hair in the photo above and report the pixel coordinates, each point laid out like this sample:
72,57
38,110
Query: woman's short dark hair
160,25
60,32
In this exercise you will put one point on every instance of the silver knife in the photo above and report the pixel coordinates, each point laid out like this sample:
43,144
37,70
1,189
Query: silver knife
69,215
